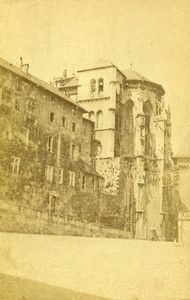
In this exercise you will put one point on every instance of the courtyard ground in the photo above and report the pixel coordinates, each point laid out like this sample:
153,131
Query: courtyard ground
80,267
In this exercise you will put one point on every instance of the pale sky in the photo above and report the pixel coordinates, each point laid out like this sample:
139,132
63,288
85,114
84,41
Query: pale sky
53,35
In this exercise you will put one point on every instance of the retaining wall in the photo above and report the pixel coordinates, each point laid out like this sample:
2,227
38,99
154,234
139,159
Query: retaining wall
14,218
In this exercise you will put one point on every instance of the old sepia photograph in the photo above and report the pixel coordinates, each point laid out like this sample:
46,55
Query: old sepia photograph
95,149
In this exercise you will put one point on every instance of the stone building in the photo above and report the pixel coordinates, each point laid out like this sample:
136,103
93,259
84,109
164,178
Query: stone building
181,181
95,146
133,128
45,149
182,172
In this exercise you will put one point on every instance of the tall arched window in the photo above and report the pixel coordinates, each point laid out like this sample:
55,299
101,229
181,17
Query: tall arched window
129,127
147,109
99,119
92,87
100,86
118,120
91,116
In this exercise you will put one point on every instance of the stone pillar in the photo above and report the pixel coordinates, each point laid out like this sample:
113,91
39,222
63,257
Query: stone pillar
184,229
140,176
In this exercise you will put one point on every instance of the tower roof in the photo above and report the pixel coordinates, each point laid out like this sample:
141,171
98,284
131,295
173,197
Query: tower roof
133,75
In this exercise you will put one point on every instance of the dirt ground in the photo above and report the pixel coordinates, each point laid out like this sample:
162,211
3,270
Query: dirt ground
13,288
80,267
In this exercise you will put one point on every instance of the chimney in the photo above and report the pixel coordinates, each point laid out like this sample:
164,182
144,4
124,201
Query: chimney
65,74
27,68
24,67
21,63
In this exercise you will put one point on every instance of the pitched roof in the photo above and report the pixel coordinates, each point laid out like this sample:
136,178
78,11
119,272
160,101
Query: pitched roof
133,75
98,64
72,82
5,64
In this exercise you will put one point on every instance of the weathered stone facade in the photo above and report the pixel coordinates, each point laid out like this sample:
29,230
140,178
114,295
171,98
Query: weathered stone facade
104,158
133,127
45,148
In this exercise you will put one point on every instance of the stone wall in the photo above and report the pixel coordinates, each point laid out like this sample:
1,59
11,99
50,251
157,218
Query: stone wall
25,129
109,169
14,218
184,229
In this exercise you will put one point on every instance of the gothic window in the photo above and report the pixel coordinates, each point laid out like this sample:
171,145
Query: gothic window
117,121
129,127
93,87
99,119
100,86
147,108
158,109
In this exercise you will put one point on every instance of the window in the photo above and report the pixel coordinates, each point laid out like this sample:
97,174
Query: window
73,151
17,103
79,149
72,178
83,182
74,112
52,203
6,94
18,86
93,87
94,184
100,86
25,133
117,122
129,128
52,100
49,173
15,164
8,132
52,117
99,119
91,116
60,176
63,122
31,106
73,126
50,144
158,109
147,109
